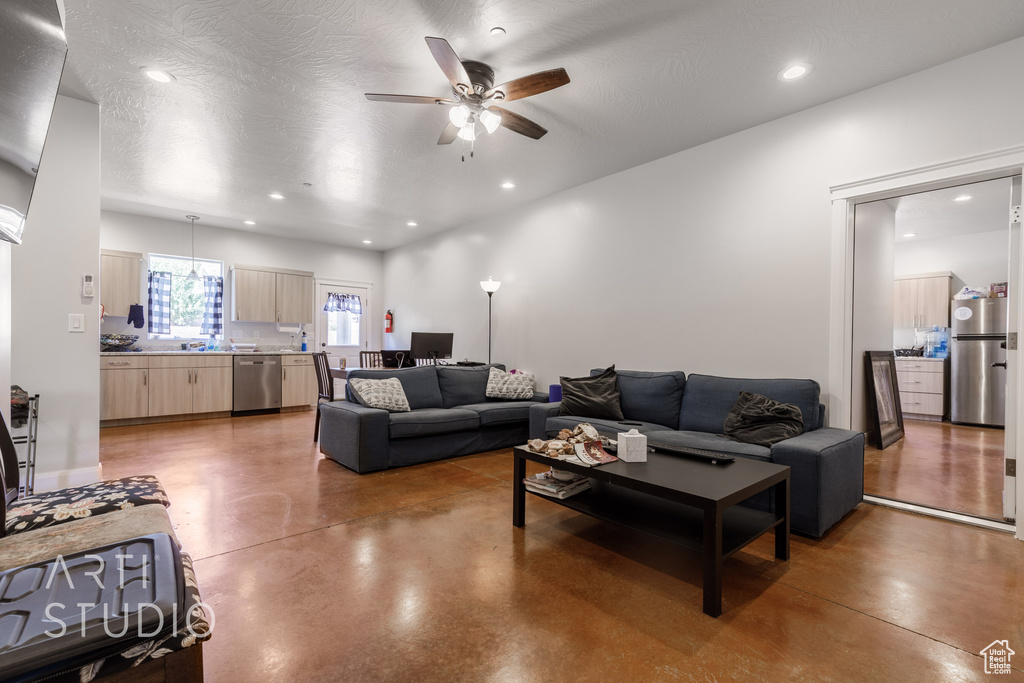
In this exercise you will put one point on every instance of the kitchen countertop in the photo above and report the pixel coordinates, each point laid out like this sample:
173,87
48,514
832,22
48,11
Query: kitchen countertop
179,352
917,358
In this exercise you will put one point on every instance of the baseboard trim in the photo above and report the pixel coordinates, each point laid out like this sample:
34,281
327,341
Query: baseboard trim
949,515
50,481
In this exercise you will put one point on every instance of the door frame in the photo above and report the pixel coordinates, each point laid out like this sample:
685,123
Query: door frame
368,311
990,166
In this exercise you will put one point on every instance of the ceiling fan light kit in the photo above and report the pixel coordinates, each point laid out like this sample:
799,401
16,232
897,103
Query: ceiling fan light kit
474,96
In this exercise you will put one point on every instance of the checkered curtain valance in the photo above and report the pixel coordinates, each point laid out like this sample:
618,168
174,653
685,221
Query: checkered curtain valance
213,312
343,302
159,303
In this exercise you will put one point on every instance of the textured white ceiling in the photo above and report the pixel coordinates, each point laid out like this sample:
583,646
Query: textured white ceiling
937,214
269,95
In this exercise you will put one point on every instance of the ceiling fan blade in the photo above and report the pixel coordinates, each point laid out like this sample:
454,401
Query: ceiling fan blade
448,135
520,124
449,63
530,85
407,99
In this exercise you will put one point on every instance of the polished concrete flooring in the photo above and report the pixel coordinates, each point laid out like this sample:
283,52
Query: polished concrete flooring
942,465
319,574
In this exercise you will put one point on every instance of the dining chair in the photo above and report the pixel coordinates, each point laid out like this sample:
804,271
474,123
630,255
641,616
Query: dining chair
325,387
370,359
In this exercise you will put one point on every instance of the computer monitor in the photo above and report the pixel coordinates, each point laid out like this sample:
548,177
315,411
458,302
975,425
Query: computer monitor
427,345
390,358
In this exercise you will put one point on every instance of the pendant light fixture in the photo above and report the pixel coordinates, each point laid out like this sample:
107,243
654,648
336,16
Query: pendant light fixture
193,276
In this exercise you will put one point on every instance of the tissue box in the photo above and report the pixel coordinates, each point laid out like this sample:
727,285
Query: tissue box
632,446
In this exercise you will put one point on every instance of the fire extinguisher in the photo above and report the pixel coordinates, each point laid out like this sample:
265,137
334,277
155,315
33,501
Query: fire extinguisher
389,322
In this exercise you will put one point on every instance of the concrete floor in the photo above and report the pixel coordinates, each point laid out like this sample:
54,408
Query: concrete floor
319,574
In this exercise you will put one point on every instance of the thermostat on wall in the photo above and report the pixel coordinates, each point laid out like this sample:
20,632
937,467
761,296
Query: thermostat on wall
88,286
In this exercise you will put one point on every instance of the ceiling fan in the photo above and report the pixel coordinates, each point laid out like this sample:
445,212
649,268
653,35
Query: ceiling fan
474,97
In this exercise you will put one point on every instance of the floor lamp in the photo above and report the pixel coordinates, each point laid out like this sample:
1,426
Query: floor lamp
489,286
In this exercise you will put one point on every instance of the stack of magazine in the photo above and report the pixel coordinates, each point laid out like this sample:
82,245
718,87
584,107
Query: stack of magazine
546,484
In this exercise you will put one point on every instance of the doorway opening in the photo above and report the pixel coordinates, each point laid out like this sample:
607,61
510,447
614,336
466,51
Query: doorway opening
916,260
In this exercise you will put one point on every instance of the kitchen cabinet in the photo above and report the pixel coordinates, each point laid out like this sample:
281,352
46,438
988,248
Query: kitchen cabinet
182,385
120,281
923,384
124,387
272,295
298,381
921,300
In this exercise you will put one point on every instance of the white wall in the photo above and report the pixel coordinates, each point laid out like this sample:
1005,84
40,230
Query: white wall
874,245
61,243
712,260
128,232
977,259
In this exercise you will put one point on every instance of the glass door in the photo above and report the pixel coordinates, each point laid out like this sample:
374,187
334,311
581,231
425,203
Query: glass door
342,333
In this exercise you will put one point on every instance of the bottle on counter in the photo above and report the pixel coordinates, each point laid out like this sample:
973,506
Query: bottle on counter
303,340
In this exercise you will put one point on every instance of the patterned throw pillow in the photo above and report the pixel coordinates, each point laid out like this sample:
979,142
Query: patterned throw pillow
502,384
385,394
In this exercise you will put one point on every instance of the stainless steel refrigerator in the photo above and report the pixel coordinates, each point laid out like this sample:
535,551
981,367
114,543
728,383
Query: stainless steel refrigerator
978,372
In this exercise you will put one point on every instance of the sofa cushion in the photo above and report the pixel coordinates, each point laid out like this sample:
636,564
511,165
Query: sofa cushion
460,385
595,396
707,400
500,412
506,385
710,442
420,384
650,396
428,421
384,394
559,422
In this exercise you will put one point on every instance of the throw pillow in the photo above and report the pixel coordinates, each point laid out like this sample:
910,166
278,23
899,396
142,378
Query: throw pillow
501,384
386,394
595,397
760,420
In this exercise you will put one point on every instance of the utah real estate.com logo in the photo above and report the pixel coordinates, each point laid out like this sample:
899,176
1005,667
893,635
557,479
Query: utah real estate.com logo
997,657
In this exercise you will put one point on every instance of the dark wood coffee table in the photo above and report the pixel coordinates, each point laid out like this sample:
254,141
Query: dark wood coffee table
686,501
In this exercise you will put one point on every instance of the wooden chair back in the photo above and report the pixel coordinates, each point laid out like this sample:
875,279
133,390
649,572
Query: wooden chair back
324,380
426,361
370,359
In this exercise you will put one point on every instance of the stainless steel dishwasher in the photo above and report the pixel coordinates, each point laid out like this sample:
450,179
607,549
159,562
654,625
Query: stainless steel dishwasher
257,383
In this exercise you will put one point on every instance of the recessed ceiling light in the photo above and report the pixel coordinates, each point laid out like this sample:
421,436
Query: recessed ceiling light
412,224
157,75
794,71
910,234
250,222
507,185
963,198
367,242
276,195
497,31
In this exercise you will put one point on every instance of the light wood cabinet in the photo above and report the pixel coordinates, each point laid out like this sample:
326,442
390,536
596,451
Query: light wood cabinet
124,393
298,381
211,390
120,281
923,387
170,391
182,385
272,295
921,300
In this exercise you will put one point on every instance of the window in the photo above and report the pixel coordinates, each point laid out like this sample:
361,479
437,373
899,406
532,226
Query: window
193,308
344,312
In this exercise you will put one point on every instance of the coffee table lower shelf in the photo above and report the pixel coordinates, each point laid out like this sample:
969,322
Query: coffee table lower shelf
674,522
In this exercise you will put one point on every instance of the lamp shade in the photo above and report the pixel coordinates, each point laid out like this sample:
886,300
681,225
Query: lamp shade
489,285
459,115
490,119
468,132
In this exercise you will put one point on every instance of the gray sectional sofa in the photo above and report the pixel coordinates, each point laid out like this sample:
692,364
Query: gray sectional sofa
451,416
827,464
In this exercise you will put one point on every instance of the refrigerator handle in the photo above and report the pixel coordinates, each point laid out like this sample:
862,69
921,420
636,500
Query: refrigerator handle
1002,344
999,365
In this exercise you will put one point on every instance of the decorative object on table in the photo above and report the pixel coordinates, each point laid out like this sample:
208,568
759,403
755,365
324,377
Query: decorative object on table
473,105
489,286
136,317
117,342
580,445
511,385
554,393
594,397
762,421
385,394
632,446
884,407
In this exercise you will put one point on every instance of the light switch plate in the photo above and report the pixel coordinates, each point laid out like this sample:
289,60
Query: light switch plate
76,322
